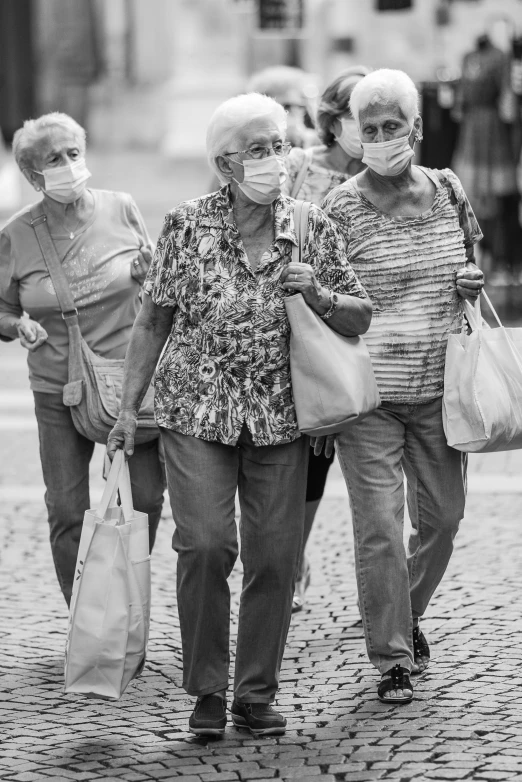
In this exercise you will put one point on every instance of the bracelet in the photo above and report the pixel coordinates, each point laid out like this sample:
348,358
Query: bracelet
334,303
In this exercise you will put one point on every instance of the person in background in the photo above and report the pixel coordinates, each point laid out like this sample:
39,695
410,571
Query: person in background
312,173
485,158
214,310
102,242
410,233
296,91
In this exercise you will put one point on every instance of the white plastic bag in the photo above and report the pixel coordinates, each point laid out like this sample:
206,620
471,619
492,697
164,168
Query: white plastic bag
482,405
110,605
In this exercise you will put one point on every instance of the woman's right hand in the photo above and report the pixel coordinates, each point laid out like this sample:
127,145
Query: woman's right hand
31,334
123,433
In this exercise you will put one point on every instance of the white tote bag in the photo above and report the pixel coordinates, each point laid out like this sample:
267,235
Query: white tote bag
110,605
482,404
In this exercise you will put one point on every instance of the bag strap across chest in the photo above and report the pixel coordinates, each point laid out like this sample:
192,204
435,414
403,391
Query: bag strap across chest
53,264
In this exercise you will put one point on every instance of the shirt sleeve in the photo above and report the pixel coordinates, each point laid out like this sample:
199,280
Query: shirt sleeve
159,283
9,297
468,221
138,224
326,251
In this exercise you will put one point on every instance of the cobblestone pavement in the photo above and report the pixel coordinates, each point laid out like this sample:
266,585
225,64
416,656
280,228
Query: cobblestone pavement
465,721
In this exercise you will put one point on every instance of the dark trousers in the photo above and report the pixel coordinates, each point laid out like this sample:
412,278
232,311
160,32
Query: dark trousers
202,479
65,455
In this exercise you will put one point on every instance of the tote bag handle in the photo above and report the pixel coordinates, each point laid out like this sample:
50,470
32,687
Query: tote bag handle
474,316
117,480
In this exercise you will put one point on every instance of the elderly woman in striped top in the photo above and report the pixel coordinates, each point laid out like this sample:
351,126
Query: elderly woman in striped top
410,233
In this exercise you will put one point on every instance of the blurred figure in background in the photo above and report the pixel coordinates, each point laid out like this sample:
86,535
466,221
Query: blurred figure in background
485,158
296,91
312,173
75,56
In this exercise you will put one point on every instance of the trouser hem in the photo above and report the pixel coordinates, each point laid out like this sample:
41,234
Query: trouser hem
198,693
255,699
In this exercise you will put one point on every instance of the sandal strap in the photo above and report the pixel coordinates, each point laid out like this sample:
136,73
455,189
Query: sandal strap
420,644
397,678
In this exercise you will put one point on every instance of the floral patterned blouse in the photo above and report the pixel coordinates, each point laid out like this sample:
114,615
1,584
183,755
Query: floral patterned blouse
226,361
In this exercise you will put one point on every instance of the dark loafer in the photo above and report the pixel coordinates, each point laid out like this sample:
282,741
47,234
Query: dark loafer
209,717
260,718
398,678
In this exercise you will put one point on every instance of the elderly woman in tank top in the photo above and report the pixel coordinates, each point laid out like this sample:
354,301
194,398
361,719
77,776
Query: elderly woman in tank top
410,233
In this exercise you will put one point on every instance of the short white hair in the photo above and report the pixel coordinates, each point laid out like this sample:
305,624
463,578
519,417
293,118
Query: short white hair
386,86
26,138
231,116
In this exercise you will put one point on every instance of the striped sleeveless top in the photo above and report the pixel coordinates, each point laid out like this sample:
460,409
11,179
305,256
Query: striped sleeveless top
408,267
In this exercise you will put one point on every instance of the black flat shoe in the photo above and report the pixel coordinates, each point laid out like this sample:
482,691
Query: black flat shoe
209,717
260,718
396,679
421,651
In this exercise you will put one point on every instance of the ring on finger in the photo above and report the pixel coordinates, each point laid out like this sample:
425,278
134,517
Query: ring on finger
136,262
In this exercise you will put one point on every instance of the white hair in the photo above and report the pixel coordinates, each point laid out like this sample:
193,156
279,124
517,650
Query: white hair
231,116
26,138
386,86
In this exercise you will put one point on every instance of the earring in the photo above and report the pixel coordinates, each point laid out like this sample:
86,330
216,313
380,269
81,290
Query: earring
37,188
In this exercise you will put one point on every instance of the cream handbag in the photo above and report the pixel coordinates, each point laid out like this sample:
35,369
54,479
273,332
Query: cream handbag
333,384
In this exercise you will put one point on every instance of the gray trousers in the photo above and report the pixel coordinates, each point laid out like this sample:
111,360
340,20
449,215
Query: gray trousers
202,479
395,585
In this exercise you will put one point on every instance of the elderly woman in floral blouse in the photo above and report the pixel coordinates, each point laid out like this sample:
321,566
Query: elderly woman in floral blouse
215,295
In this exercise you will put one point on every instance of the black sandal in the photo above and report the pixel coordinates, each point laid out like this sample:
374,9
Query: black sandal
397,678
421,651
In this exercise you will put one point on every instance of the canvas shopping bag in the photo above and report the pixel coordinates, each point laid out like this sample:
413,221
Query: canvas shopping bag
333,383
110,605
482,403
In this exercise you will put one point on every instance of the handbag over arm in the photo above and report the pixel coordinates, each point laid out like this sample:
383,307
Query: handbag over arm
333,384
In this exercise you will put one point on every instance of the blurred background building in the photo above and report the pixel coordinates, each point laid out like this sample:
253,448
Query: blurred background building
145,75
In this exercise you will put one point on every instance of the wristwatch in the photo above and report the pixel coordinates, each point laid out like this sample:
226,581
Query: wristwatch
334,303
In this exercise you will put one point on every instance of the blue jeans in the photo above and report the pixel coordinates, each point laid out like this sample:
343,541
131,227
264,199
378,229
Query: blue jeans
396,586
202,479
65,455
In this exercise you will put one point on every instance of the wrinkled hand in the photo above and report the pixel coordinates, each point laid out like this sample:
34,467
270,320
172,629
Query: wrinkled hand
300,278
31,334
470,282
140,264
123,433
327,442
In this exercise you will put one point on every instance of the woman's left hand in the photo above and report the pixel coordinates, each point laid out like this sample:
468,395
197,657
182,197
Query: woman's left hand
140,264
470,282
300,278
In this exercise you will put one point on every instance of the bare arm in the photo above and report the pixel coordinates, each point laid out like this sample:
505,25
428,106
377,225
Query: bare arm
149,334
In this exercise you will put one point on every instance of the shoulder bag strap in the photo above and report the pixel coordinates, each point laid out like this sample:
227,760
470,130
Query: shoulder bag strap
302,173
54,267
301,212
62,289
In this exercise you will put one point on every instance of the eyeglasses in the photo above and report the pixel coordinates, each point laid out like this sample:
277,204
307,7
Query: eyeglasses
258,152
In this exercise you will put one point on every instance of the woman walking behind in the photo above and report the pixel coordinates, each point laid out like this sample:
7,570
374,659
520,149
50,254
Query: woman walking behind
214,304
312,173
409,232
104,248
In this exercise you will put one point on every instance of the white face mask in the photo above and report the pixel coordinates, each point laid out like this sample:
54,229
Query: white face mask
66,183
388,158
263,179
349,139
